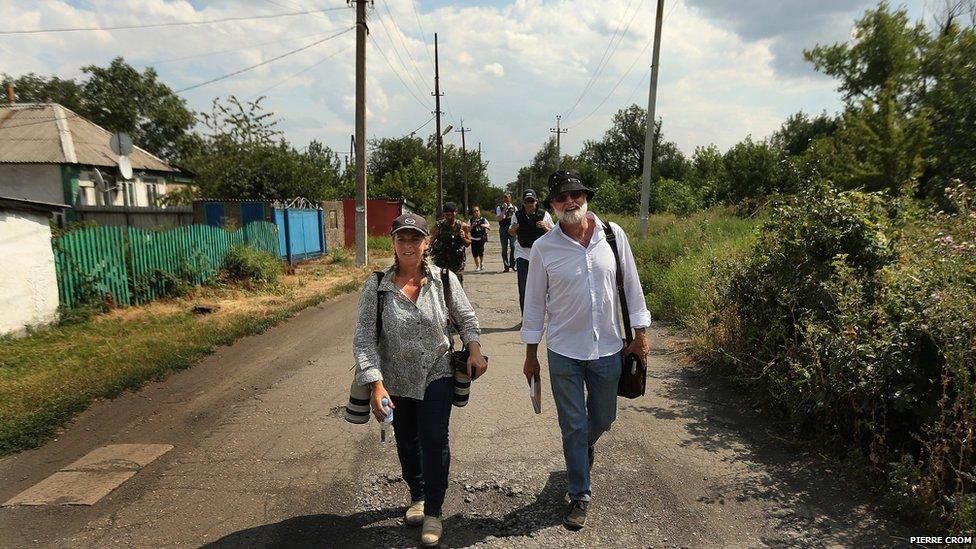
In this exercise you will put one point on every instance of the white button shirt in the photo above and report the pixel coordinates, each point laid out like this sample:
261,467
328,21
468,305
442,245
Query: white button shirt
577,286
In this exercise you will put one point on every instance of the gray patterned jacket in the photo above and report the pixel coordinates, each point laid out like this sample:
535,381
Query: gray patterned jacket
414,348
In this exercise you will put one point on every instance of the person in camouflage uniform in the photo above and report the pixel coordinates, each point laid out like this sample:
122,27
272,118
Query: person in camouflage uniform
449,239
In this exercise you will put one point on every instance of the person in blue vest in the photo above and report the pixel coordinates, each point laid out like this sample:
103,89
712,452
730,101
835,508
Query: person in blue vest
528,225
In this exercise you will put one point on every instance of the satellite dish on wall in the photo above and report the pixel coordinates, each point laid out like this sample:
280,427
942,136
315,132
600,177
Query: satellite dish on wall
125,167
120,143
100,183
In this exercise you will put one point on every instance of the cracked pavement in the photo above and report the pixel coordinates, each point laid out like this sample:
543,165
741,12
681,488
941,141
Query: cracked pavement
262,458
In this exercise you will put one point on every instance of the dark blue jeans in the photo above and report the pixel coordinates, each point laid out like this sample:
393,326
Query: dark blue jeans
420,427
522,271
508,248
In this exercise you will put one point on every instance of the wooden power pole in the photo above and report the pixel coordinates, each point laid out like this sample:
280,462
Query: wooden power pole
440,142
361,30
558,132
649,137
464,164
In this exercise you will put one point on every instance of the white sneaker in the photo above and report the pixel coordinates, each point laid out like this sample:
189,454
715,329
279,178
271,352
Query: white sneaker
415,514
430,535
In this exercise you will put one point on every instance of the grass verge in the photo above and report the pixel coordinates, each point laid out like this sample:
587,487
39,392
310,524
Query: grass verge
52,375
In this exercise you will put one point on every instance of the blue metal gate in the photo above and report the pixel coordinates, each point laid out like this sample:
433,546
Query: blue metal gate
301,233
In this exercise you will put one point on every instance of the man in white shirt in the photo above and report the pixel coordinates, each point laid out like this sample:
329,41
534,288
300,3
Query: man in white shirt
572,276
504,214
528,225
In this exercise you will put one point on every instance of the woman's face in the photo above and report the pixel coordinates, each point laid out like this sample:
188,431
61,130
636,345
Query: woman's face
409,246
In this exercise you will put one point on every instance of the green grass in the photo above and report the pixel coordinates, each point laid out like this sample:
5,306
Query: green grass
50,376
380,243
679,253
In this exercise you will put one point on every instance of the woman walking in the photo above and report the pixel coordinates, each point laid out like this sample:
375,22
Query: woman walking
408,364
479,235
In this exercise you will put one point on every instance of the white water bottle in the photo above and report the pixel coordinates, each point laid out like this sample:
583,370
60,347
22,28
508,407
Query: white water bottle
386,428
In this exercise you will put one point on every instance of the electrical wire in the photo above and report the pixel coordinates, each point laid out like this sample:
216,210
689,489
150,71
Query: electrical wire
265,62
410,75
608,53
397,73
422,126
303,71
231,50
423,35
400,34
170,24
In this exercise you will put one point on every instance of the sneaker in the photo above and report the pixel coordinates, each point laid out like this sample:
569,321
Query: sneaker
430,535
415,514
576,516
591,455
506,270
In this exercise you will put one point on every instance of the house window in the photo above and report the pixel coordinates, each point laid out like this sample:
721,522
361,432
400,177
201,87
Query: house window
153,193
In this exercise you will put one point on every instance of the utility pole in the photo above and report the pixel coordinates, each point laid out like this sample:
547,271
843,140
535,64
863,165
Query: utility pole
464,164
649,137
558,132
361,31
440,140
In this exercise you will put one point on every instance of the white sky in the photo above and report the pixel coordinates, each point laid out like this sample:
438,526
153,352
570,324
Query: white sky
728,68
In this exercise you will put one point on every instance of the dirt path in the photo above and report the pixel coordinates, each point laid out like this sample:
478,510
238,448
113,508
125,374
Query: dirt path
262,458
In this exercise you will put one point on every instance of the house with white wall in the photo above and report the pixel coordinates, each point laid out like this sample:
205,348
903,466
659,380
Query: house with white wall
49,153
28,281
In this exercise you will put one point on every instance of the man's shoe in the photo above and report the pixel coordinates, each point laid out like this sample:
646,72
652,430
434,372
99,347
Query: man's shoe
415,514
576,516
430,535
506,270
591,455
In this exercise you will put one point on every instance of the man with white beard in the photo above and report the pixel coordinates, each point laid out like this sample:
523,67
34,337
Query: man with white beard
572,276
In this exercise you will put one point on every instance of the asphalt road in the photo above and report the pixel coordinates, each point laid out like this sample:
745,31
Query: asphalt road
262,458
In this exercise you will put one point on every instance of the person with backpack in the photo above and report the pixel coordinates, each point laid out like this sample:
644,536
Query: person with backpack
504,213
449,239
479,235
528,225
402,346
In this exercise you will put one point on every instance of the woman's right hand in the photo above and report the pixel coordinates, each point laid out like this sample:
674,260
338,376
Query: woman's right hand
376,401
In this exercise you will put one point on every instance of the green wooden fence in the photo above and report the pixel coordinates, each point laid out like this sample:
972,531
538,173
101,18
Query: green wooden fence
138,265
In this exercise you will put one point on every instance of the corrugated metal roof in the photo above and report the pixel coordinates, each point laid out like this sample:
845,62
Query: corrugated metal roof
30,133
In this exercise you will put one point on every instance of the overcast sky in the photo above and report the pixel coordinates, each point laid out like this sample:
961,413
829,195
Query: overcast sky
728,68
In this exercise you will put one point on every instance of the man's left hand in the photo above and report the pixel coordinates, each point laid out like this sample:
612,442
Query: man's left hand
639,346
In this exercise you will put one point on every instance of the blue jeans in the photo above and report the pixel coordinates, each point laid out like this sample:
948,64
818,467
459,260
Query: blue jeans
583,418
522,271
508,247
420,428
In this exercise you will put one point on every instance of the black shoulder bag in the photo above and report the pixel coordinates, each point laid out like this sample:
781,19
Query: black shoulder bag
633,374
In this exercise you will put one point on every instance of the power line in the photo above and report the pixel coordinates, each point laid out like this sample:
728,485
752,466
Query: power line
397,73
410,75
245,69
400,34
605,59
422,126
231,50
170,24
303,71
423,35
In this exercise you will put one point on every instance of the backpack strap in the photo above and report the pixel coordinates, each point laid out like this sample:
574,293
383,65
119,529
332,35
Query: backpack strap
380,294
612,241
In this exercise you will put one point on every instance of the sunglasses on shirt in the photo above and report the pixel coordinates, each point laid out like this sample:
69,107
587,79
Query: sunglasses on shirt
562,197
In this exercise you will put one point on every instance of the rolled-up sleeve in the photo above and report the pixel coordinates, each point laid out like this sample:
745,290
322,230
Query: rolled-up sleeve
640,317
462,312
536,288
364,344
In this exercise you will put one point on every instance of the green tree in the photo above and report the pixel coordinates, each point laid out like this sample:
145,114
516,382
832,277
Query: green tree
416,182
120,98
707,174
799,130
620,153
751,169
885,57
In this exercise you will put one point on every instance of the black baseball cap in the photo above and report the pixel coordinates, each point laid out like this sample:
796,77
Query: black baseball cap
530,193
450,207
410,221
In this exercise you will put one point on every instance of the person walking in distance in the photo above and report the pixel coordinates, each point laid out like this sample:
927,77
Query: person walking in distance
504,215
529,224
479,235
572,278
449,239
404,356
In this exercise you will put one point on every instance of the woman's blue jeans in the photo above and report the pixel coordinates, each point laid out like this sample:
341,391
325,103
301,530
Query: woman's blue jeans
583,417
421,429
